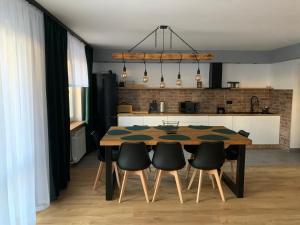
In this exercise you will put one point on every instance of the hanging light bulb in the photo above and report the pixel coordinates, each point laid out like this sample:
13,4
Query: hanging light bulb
145,77
162,82
198,75
178,81
124,72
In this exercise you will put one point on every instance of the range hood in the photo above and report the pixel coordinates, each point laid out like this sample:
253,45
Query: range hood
215,75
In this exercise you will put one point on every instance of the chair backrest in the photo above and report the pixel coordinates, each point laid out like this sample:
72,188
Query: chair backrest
133,156
168,156
244,133
210,155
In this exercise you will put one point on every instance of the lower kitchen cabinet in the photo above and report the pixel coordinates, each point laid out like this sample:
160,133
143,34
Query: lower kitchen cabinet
189,120
262,129
225,121
130,120
154,120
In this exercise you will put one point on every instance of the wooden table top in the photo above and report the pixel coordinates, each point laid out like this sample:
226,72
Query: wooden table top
191,135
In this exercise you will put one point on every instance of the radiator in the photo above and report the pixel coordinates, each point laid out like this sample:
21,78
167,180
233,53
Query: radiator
78,146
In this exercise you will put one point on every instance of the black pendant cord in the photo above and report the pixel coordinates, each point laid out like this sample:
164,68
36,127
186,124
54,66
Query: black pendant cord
179,75
145,73
124,67
177,35
161,62
154,31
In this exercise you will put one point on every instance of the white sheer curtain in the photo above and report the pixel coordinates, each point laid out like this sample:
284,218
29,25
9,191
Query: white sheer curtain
77,65
24,182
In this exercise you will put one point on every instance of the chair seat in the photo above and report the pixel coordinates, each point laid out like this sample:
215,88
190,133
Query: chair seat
194,164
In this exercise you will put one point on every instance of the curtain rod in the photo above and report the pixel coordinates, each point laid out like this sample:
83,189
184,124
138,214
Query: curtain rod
40,7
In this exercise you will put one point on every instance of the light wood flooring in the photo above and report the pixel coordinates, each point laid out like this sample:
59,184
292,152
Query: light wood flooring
272,196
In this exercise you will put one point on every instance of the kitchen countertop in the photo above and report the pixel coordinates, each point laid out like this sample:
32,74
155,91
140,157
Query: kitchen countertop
196,114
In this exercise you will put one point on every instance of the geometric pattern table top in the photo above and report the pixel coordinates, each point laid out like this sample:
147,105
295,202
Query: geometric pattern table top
192,136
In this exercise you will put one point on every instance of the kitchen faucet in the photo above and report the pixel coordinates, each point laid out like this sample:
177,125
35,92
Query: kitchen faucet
254,102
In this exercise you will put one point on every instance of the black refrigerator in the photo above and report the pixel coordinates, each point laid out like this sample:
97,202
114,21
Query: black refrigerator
104,101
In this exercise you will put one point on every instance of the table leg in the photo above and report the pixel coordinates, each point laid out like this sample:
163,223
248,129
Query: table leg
109,175
237,187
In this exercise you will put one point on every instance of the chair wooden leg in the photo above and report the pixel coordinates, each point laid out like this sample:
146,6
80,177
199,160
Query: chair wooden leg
116,169
144,184
192,179
199,185
212,181
157,182
99,172
123,185
178,184
216,174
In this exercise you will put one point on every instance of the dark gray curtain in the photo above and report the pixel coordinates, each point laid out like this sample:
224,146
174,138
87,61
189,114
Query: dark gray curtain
57,105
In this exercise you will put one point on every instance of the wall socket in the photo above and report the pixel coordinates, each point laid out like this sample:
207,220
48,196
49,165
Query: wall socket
229,102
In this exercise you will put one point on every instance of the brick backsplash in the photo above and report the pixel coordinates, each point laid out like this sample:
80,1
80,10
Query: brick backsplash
279,101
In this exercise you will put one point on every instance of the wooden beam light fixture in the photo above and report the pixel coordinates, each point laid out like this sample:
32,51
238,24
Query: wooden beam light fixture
162,55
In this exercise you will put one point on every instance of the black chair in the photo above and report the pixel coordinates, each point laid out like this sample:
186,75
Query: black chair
168,157
134,159
232,153
210,157
101,158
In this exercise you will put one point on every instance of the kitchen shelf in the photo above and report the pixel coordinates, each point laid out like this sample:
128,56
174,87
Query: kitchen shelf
188,88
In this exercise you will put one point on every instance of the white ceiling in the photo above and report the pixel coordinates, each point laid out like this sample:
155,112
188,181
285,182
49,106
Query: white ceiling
205,24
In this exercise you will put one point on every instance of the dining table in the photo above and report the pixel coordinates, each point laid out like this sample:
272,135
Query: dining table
185,135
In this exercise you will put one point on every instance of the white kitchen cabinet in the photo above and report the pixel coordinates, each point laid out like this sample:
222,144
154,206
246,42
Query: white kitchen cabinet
189,120
225,121
130,120
262,129
154,120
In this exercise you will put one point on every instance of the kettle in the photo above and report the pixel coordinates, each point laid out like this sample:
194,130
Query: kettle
161,106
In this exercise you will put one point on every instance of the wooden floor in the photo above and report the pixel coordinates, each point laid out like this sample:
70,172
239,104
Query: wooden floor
272,197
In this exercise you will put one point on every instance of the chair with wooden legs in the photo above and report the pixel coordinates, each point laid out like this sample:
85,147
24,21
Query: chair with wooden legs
209,158
232,153
168,158
101,158
192,149
134,159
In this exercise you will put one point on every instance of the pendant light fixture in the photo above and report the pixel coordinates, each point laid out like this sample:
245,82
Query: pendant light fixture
198,75
163,55
145,77
124,72
162,81
179,81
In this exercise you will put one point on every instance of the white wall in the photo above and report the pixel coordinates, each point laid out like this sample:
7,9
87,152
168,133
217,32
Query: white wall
284,75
